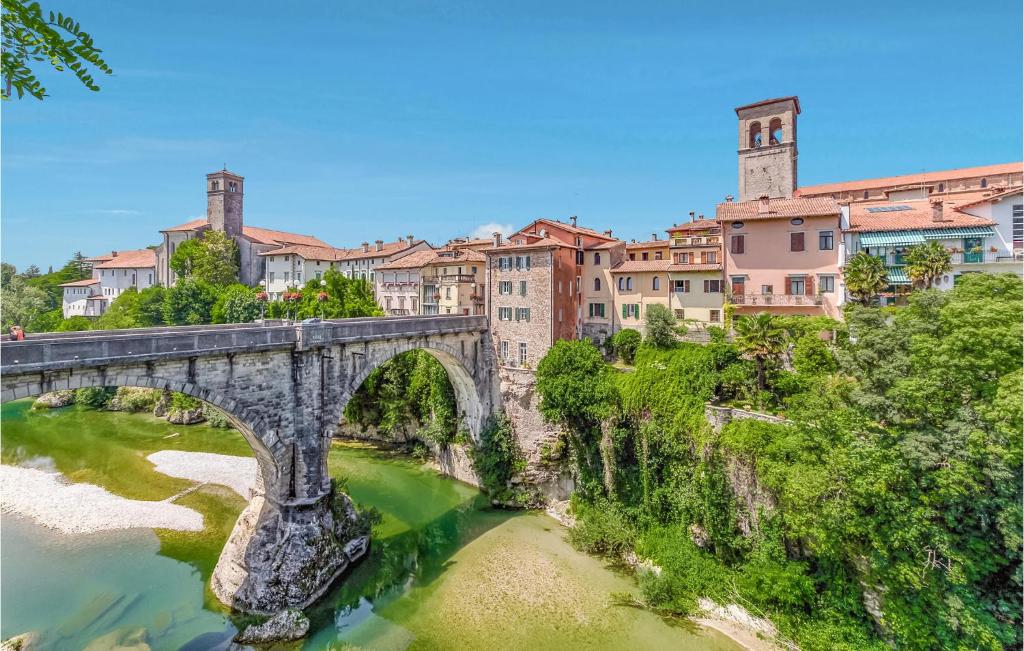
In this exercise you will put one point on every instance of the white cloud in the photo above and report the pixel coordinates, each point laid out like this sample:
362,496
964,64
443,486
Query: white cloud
487,230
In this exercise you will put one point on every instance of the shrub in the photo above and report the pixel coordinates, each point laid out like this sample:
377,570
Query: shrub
94,397
812,356
660,325
134,399
181,401
74,324
625,343
497,457
215,417
601,528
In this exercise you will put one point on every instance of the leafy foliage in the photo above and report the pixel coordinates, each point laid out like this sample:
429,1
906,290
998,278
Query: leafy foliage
865,276
660,325
497,458
236,304
58,39
211,259
189,302
625,343
927,262
760,338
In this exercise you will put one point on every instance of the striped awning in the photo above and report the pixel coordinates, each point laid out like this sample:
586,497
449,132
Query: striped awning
951,233
891,238
897,276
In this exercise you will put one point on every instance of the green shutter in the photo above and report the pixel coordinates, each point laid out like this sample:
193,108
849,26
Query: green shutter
624,310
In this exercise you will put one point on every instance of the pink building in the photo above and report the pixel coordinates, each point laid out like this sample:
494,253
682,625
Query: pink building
781,253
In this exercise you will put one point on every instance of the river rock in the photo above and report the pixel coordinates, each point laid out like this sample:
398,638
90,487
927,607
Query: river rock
23,642
163,405
186,416
122,639
289,624
54,400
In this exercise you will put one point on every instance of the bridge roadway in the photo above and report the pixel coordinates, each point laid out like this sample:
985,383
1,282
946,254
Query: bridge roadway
284,386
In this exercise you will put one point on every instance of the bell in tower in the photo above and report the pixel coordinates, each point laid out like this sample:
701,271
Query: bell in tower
767,148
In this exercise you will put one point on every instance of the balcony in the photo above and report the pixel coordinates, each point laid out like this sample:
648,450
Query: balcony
786,300
979,257
457,278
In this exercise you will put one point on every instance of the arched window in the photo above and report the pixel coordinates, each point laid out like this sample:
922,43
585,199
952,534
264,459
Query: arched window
942,187
775,131
629,282
622,283
984,183
865,194
216,185
755,135
597,258
597,284
655,283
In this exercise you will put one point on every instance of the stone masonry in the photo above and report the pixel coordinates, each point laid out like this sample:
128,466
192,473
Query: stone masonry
284,387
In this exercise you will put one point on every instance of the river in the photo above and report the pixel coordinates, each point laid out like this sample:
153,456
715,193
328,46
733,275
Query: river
444,571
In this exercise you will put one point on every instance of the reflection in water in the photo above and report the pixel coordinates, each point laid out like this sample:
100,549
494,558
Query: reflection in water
444,571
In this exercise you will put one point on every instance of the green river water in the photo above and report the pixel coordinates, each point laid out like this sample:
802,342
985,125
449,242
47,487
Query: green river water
444,570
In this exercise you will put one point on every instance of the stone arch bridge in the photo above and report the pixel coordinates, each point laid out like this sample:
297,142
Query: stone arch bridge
284,387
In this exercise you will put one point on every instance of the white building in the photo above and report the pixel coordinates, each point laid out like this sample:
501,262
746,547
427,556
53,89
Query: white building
397,284
290,267
115,274
363,261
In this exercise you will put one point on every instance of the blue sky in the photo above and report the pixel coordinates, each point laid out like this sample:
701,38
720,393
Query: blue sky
357,121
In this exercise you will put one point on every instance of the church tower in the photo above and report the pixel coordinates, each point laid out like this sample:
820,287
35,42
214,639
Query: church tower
767,148
224,202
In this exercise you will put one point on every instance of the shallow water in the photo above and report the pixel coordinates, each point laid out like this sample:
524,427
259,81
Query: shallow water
444,571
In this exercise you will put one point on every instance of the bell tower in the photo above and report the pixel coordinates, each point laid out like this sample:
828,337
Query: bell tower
224,202
767,148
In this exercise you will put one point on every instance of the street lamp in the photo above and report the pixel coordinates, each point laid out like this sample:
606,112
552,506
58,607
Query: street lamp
261,296
322,297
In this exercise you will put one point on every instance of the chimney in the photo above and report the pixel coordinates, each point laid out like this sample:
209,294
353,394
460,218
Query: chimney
937,211
700,217
543,232
366,247
654,236
608,233
728,198
497,239
691,215
763,204
408,239
113,254
573,220
378,245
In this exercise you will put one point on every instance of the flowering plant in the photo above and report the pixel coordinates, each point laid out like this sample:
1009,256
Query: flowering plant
262,296
322,296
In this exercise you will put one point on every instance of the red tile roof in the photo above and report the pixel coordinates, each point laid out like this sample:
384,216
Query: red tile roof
994,196
696,225
605,245
415,260
912,179
765,102
650,244
777,208
254,233
81,283
308,252
532,242
99,258
388,249
640,266
918,217
463,255
139,259
579,230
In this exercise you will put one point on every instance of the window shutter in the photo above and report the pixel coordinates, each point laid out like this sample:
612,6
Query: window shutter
789,286
796,241
703,257
737,244
624,306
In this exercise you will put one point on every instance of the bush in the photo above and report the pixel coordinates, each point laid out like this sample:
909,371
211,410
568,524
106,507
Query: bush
184,402
812,356
74,324
134,399
94,397
601,528
660,325
497,457
625,343
236,304
215,417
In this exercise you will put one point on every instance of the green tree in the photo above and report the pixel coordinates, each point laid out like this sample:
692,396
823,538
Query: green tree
122,313
28,37
212,258
574,383
31,271
760,338
21,303
236,304
660,325
927,262
150,308
75,324
7,271
865,276
625,343
189,302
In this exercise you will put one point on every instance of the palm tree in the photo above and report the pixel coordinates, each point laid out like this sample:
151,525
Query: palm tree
865,276
926,263
760,338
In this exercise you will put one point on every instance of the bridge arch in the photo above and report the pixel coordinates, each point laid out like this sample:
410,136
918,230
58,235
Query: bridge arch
472,396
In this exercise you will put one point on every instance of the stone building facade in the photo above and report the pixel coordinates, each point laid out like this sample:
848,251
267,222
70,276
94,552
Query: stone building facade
767,148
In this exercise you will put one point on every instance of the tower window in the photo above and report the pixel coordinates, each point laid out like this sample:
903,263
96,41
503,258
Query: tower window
984,183
216,185
775,131
232,187
755,135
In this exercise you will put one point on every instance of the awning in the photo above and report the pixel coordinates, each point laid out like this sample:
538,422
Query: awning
891,238
897,276
951,233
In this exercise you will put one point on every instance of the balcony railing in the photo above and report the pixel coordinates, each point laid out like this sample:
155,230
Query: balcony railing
981,257
775,299
458,278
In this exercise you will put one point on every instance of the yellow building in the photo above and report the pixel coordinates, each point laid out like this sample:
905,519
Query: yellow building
698,290
453,282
